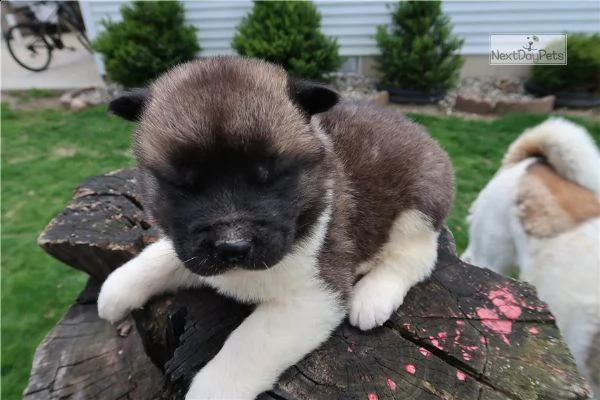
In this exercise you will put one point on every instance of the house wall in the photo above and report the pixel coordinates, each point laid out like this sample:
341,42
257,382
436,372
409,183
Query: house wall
354,22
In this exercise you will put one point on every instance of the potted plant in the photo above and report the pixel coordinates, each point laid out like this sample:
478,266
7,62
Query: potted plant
575,84
288,33
419,56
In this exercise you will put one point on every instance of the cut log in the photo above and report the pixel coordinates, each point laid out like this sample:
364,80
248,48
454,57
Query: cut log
85,358
465,333
101,228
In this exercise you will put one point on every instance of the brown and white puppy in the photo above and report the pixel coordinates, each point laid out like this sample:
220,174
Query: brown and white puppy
541,213
274,192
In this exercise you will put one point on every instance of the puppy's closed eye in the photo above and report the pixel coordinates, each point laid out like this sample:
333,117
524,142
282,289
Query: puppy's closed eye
180,179
267,174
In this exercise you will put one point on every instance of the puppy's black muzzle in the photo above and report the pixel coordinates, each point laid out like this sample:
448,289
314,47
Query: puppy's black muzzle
232,250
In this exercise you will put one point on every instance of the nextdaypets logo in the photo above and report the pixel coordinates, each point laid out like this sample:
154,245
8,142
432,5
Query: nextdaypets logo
530,41
528,49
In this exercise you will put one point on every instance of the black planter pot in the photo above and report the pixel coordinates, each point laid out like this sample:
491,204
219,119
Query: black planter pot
565,99
411,96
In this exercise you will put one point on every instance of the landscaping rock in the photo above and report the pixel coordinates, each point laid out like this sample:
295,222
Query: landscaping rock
78,104
381,98
490,95
357,86
473,105
510,85
91,96
539,105
65,99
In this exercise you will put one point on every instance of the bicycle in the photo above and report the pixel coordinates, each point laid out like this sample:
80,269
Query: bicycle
36,39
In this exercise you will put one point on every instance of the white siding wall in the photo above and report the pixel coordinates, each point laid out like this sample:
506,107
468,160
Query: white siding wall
354,22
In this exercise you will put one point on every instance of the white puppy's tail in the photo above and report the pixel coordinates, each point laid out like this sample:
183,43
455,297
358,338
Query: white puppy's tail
566,146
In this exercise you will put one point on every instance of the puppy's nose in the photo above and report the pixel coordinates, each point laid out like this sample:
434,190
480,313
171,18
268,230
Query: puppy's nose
232,247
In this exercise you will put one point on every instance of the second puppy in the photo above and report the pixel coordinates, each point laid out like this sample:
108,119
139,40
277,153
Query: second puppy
541,213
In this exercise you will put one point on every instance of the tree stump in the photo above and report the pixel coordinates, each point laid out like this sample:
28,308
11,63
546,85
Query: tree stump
465,333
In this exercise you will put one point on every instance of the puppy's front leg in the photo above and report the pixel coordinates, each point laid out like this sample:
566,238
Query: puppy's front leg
274,337
156,270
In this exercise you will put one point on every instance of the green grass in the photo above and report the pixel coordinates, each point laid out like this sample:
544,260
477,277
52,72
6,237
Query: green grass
476,148
45,154
26,96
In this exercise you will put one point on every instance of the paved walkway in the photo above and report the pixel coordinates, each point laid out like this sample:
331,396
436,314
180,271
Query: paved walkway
67,70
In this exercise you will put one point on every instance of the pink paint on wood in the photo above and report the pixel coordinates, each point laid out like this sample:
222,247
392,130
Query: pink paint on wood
349,349
506,303
407,326
533,330
490,319
436,343
511,312
424,351
443,335
498,302
536,307
391,384
466,356
456,337
460,322
460,375
372,396
410,368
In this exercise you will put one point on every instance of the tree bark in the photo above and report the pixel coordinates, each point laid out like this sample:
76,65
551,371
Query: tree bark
465,333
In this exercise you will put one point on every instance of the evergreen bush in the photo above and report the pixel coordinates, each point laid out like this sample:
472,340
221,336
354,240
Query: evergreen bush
418,50
580,74
288,33
151,38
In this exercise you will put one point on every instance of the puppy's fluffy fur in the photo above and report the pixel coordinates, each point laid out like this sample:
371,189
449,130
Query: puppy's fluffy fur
541,212
274,192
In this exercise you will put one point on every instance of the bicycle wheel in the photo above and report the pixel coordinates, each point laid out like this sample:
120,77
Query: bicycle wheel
27,46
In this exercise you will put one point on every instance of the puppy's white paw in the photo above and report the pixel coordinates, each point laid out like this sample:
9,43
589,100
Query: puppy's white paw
211,384
118,296
197,392
373,302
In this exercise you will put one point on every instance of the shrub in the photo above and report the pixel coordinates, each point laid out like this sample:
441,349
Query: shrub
288,33
418,49
582,71
151,38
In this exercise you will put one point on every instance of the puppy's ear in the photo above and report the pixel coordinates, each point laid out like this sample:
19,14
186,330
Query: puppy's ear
129,106
311,97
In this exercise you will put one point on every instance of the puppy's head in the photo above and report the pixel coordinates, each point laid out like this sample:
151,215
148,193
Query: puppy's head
230,167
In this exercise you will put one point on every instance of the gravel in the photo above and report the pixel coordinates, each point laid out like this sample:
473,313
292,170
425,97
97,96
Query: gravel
101,94
355,85
490,89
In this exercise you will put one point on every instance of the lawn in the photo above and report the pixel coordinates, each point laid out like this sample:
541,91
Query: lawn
46,153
